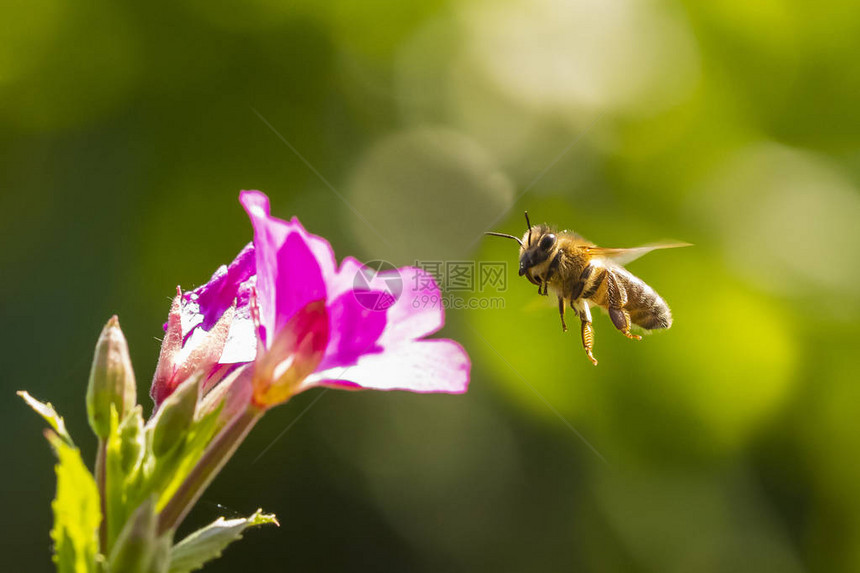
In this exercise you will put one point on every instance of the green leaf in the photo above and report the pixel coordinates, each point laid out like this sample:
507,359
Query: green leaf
76,511
206,544
46,410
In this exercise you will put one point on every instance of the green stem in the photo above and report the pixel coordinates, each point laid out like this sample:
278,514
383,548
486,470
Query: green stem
213,459
101,479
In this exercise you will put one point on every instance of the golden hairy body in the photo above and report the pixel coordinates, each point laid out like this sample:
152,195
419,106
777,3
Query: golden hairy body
582,274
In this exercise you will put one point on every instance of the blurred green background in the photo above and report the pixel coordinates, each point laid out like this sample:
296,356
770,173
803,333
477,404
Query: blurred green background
401,131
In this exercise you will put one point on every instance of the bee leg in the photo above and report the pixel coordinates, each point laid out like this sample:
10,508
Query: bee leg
588,341
620,317
540,281
561,313
626,330
584,312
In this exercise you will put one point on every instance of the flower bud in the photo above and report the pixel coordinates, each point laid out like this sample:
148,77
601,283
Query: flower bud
171,345
136,545
184,354
175,416
111,379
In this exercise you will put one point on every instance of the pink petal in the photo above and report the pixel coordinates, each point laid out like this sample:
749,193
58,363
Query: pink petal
324,254
354,329
343,279
288,274
421,366
217,295
417,311
203,307
242,340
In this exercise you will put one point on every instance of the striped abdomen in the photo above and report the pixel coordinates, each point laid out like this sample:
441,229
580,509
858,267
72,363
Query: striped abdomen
645,307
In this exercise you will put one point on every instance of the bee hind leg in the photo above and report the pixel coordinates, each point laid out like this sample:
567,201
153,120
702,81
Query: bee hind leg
617,299
621,320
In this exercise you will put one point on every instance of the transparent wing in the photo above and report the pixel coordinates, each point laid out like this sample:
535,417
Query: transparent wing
624,256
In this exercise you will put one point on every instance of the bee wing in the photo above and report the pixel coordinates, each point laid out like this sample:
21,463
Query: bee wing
624,256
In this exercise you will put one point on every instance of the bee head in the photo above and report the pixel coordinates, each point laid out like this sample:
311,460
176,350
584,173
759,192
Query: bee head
535,247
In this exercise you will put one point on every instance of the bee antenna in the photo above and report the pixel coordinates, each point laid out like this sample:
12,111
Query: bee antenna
529,226
492,234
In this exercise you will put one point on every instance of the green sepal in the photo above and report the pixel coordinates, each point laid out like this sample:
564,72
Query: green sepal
131,440
163,475
198,438
124,458
137,544
206,544
76,511
116,504
162,553
175,417
46,410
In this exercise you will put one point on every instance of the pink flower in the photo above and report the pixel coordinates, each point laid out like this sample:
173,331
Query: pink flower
285,306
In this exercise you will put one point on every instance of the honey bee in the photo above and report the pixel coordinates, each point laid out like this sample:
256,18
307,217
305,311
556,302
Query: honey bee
580,274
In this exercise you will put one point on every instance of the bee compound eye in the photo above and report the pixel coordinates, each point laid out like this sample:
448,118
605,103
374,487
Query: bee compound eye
547,241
